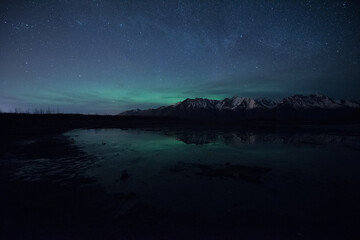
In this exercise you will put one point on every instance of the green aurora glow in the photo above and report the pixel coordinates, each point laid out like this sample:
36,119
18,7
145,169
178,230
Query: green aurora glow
110,56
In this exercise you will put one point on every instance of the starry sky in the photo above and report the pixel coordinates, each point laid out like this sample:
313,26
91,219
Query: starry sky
97,56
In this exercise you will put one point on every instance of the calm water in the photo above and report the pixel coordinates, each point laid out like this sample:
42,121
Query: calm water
209,184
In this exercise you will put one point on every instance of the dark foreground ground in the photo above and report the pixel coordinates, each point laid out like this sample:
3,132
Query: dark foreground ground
64,206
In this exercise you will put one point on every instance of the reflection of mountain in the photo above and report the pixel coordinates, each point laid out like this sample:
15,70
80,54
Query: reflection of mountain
297,107
197,138
241,138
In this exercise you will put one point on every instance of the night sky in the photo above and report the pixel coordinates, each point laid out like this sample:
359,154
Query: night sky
110,56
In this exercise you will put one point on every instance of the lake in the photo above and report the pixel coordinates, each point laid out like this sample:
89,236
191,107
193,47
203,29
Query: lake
184,184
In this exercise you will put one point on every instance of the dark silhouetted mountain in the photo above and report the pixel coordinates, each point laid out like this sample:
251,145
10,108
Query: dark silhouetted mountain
297,107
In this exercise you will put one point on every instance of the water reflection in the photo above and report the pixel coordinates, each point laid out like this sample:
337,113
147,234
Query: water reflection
240,138
231,179
210,183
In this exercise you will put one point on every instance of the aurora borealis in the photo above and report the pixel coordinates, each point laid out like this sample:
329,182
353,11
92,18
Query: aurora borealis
110,56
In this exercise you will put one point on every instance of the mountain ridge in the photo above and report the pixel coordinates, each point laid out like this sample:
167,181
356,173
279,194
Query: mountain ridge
253,108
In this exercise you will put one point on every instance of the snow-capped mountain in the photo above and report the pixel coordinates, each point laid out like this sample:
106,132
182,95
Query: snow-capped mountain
317,101
249,108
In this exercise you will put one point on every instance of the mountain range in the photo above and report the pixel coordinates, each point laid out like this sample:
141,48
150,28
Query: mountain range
297,107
